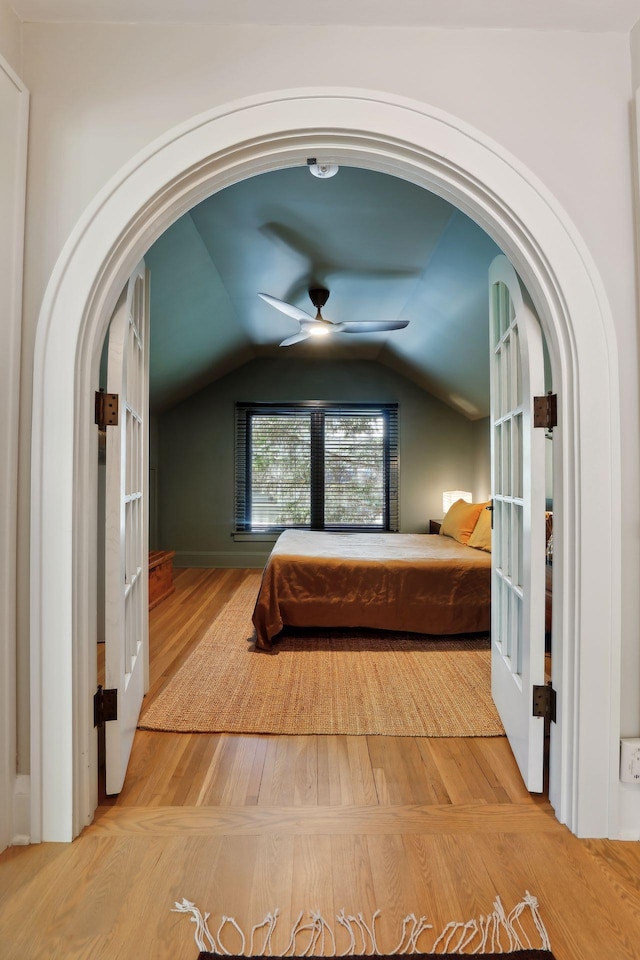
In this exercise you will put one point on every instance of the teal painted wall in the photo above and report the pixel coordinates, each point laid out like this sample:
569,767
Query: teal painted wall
439,450
482,459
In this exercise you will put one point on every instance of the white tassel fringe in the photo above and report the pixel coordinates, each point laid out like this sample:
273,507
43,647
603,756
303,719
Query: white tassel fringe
498,932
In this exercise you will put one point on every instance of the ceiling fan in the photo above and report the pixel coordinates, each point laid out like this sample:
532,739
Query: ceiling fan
318,327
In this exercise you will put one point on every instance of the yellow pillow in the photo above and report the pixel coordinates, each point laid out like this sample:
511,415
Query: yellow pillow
481,536
460,520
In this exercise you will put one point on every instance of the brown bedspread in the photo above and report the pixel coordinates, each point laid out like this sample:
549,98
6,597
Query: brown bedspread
422,583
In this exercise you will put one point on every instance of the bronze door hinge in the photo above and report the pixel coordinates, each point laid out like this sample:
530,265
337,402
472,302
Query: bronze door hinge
544,702
106,409
105,706
545,411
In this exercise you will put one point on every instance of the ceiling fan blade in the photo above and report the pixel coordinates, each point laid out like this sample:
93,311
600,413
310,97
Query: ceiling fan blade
296,338
287,308
372,326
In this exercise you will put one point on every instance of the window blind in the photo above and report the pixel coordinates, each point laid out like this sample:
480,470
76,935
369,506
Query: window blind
316,465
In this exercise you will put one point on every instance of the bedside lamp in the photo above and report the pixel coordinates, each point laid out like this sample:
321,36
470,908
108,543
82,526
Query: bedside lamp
449,497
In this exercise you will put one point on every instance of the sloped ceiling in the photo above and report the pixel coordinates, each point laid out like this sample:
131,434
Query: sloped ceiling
385,249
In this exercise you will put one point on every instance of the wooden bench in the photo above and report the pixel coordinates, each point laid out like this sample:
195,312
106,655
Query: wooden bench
160,576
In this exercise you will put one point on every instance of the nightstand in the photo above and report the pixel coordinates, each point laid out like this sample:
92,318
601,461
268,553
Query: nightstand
434,526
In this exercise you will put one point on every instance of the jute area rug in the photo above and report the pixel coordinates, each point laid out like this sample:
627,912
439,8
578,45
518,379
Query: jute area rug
326,682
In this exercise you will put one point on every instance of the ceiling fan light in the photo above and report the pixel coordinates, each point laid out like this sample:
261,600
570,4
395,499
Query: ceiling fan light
318,331
323,170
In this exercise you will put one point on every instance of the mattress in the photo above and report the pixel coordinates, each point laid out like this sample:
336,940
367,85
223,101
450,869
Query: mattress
423,583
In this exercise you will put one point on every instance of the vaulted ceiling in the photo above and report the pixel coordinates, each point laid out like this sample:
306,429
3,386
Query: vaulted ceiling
384,248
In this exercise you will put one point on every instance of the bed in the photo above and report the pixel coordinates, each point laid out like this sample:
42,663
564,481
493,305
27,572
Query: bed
423,583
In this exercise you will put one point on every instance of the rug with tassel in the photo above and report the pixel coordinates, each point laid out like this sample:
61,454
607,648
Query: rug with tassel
518,934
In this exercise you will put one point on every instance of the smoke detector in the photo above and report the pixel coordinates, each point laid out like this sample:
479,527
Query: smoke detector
322,170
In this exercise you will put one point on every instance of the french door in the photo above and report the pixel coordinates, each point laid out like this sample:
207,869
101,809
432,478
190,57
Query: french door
126,524
518,484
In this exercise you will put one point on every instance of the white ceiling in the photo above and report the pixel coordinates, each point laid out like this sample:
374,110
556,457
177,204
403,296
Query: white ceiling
590,15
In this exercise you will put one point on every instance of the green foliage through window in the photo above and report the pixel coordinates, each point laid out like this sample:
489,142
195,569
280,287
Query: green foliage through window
319,466
280,492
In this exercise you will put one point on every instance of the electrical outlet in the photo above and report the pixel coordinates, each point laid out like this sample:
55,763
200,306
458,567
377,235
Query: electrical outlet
630,760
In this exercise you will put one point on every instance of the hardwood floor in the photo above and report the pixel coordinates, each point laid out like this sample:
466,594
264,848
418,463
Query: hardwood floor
241,825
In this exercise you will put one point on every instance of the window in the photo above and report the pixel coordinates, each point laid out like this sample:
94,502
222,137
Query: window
316,465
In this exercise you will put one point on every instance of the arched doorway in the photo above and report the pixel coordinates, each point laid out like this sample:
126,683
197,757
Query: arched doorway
432,149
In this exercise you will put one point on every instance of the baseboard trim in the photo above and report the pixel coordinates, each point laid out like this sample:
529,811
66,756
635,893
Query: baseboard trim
253,559
629,835
21,810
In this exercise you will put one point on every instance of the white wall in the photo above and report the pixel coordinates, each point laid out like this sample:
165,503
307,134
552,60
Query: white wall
10,37
559,102
635,55
13,159
630,720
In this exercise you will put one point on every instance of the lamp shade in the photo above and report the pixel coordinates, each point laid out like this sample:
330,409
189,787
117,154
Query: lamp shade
449,497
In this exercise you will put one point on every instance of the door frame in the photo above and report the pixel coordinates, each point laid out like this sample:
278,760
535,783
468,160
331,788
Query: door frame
433,149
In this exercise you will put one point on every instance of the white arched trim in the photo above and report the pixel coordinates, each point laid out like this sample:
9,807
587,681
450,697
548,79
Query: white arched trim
392,135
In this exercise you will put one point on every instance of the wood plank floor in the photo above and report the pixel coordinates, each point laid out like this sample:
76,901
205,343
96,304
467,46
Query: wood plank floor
244,824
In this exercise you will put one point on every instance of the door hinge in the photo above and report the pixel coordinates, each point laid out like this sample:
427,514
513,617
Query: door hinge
105,706
106,409
545,411
544,701
490,507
